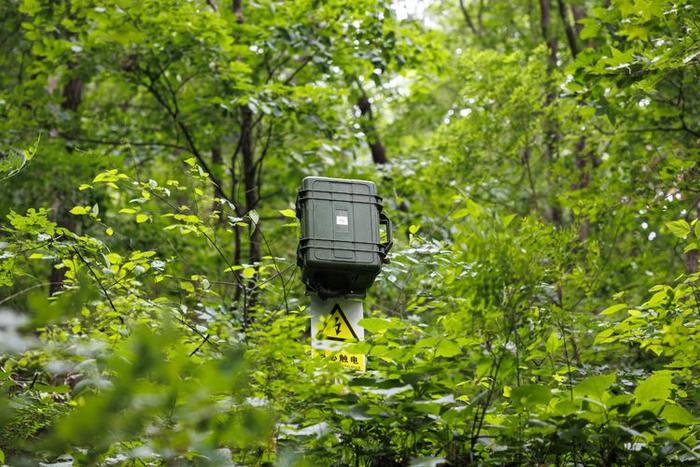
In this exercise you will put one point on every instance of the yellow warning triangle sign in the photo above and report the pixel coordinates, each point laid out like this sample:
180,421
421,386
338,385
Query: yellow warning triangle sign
338,327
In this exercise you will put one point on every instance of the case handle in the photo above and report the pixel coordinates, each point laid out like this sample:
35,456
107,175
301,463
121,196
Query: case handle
384,220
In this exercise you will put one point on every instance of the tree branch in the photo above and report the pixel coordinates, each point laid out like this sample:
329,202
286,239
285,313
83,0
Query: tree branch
467,18
174,114
99,282
108,142
305,61
648,130
570,34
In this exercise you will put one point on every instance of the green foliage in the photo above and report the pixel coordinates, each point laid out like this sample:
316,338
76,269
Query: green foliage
540,305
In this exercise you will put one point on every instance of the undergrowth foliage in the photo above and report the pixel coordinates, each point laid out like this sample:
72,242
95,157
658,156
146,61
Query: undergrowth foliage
480,359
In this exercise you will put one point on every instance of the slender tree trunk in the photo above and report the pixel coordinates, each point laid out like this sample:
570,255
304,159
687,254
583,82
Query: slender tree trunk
579,13
72,94
250,179
525,157
570,34
549,39
216,158
237,6
217,163
551,133
250,182
237,246
691,258
370,130
582,156
72,97
584,178
251,186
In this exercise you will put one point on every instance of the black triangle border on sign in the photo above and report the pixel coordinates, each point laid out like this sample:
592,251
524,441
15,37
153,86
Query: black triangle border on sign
347,323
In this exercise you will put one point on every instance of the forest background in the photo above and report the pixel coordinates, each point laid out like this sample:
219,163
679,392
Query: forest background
540,159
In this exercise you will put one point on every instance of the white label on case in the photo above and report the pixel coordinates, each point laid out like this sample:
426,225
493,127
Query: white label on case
341,220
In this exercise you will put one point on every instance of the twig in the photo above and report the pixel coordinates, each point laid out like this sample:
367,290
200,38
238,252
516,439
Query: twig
108,142
99,282
175,116
467,18
205,340
35,286
305,62
230,266
279,273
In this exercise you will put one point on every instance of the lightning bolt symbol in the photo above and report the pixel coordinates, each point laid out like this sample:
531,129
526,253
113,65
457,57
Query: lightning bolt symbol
337,325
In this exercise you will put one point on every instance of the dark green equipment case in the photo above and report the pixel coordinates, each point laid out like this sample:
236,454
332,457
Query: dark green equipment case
339,249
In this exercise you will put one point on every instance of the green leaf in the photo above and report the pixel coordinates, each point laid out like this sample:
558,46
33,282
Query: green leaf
472,209
113,258
288,213
604,336
591,27
508,219
690,247
427,342
141,218
458,214
375,324
254,218
507,391
566,407
677,415
248,272
80,210
679,228
553,343
656,387
109,176
447,348
530,395
31,8
611,310
187,286
620,58
595,386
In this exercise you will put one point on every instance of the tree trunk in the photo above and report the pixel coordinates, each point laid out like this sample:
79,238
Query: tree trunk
691,258
551,133
217,163
370,130
72,97
237,246
584,178
250,179
570,34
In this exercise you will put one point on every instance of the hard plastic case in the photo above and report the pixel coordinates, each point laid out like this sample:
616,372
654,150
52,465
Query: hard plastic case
339,250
